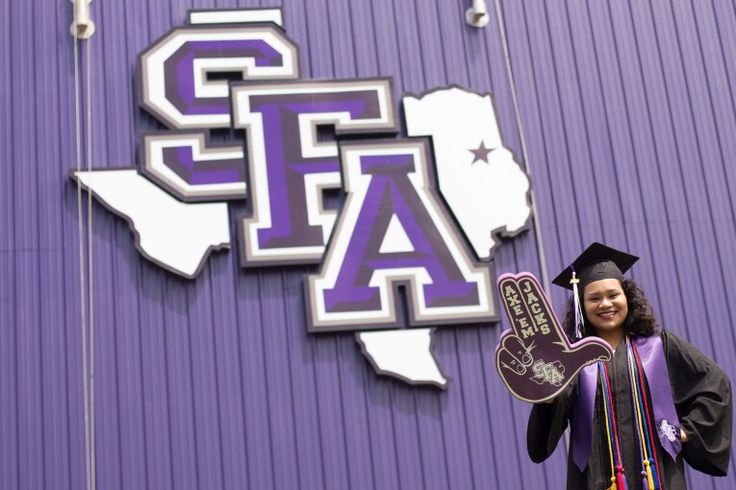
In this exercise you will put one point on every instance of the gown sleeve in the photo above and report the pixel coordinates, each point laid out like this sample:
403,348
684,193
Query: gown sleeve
547,423
702,396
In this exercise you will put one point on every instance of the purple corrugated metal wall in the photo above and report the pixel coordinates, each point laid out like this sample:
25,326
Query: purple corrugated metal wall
629,117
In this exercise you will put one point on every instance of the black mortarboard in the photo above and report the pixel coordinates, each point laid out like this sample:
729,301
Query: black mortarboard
597,262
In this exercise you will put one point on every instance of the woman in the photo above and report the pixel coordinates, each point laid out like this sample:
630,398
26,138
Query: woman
658,402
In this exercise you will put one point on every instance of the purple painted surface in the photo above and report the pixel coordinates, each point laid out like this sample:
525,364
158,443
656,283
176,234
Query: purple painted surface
180,67
214,383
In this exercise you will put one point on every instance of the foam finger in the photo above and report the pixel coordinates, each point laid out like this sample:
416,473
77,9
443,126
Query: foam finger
506,360
516,348
542,316
512,299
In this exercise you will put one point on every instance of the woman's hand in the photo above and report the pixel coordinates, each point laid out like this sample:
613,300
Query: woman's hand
683,436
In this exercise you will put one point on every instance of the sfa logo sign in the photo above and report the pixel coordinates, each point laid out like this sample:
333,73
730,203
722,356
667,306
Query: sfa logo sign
423,212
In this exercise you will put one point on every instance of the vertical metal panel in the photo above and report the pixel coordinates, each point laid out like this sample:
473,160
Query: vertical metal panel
628,109
8,360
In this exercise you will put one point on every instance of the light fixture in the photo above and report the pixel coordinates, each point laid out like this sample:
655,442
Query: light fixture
477,14
82,27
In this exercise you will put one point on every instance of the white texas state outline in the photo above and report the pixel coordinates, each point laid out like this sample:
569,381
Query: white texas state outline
175,235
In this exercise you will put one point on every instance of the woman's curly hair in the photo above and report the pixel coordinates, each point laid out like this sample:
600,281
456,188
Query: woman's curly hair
640,322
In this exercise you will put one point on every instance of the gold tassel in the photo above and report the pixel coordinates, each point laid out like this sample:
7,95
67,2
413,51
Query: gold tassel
613,484
650,478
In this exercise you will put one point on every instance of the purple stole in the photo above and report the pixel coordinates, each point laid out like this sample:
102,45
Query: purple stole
651,352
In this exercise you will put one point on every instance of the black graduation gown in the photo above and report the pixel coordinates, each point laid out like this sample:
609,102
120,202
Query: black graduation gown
702,395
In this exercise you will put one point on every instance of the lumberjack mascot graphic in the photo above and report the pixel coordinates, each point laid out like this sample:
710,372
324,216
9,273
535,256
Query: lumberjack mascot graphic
534,358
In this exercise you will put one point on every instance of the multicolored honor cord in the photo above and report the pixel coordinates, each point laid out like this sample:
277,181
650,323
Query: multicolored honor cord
651,479
618,481
646,435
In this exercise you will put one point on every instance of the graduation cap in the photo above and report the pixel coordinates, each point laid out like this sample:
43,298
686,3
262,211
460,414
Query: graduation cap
597,262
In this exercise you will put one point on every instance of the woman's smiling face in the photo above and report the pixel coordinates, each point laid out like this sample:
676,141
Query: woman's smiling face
605,305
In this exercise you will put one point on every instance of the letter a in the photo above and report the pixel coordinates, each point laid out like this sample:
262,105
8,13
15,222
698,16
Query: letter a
395,230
